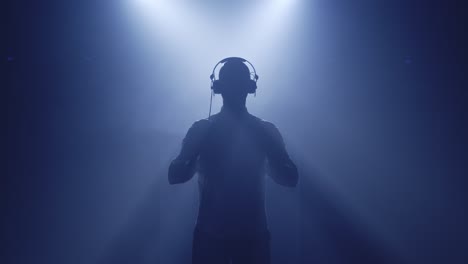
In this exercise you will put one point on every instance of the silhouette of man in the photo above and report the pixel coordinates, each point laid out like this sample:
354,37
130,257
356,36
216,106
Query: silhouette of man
232,151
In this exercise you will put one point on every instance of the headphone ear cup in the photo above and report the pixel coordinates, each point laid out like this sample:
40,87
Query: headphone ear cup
216,87
251,86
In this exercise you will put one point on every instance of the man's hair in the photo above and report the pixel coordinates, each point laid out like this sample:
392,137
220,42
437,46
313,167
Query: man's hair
234,70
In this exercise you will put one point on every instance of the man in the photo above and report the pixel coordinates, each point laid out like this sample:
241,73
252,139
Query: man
232,151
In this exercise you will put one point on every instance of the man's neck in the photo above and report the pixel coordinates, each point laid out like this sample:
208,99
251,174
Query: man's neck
235,110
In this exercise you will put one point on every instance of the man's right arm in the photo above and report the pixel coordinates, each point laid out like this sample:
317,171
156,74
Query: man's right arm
183,167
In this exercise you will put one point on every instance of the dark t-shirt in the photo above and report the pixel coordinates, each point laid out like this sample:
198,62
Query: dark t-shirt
235,152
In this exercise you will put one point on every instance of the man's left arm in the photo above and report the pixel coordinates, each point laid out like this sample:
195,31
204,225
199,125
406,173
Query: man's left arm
280,166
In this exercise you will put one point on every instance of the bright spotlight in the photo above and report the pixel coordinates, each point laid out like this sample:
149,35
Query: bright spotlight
196,37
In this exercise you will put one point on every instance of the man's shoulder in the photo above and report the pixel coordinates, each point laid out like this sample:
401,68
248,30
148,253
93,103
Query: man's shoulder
200,125
266,126
264,123
202,122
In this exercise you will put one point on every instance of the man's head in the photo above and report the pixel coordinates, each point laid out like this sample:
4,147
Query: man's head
235,83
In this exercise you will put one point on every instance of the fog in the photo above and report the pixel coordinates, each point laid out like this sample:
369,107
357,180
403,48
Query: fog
368,97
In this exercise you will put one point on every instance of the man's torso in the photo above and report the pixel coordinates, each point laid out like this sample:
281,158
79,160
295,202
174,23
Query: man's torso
232,177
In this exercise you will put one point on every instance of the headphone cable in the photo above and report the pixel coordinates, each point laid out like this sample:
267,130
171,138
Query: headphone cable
211,101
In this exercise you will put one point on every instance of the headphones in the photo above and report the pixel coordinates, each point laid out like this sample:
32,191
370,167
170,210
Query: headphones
217,85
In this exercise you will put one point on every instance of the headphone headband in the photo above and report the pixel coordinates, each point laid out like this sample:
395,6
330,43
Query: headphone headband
212,76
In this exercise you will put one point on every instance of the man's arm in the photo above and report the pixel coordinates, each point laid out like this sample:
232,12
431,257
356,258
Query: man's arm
183,167
280,166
